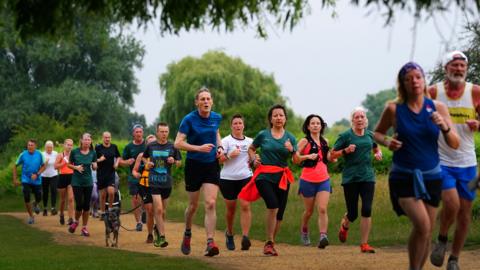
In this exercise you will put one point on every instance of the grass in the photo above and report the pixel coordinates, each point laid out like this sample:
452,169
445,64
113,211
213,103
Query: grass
24,247
387,228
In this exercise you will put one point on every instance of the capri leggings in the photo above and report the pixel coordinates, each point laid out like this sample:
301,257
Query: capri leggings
273,196
82,197
49,184
365,191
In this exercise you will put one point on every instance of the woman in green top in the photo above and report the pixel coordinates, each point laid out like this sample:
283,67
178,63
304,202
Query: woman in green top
358,177
82,160
278,146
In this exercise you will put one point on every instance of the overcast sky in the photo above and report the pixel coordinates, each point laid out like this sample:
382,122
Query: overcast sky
325,65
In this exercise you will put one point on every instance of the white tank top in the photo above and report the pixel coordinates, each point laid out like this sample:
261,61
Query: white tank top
236,168
460,110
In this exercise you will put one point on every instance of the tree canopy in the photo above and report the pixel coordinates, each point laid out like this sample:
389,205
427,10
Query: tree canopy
375,103
236,88
91,74
51,16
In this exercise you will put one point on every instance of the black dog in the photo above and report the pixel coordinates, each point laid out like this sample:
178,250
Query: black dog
112,225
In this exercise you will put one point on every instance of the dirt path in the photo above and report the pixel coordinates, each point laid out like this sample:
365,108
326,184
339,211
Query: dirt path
291,257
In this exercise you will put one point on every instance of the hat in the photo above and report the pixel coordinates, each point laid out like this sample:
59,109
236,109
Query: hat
454,55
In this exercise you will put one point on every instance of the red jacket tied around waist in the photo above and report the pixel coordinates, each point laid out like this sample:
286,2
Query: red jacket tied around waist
249,191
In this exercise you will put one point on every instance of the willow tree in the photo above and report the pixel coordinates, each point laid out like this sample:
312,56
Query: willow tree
236,88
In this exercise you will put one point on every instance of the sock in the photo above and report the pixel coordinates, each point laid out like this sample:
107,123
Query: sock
305,229
324,234
209,240
442,238
452,258
188,232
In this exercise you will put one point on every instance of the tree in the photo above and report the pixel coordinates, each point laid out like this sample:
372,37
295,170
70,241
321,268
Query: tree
53,16
235,86
471,50
375,103
90,74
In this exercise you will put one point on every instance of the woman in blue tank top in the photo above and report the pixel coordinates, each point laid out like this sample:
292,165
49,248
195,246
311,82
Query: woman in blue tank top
415,181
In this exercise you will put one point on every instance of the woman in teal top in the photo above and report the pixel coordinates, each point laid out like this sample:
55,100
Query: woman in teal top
82,160
358,177
278,146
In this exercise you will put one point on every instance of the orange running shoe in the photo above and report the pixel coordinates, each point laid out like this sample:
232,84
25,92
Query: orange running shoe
342,233
366,248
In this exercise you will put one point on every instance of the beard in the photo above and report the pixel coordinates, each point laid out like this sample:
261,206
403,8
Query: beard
456,78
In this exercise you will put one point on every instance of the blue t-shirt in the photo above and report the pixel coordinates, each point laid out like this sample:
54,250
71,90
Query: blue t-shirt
419,137
31,163
200,131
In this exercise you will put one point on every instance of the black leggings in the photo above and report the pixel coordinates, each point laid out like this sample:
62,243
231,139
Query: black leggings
49,183
352,191
82,198
273,196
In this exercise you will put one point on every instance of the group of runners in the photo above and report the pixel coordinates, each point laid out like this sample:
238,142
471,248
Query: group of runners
433,160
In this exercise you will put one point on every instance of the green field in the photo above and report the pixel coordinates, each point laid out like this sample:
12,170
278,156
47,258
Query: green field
24,247
387,228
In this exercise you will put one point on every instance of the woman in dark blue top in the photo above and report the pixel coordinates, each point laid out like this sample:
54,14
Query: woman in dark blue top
415,180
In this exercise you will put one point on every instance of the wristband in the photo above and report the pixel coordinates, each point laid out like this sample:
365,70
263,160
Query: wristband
218,147
445,131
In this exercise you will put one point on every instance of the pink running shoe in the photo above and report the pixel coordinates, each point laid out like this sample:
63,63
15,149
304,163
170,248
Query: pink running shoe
85,232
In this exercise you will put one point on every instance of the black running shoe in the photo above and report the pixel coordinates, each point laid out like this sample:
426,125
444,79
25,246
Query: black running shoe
246,243
229,241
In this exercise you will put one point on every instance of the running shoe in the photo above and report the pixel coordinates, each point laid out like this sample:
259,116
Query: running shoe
229,241
366,248
453,265
70,221
85,232
45,212
438,253
139,227
161,242
323,241
144,217
62,220
53,211
149,239
31,220
342,234
305,238
73,227
246,243
186,244
212,249
36,209
269,250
